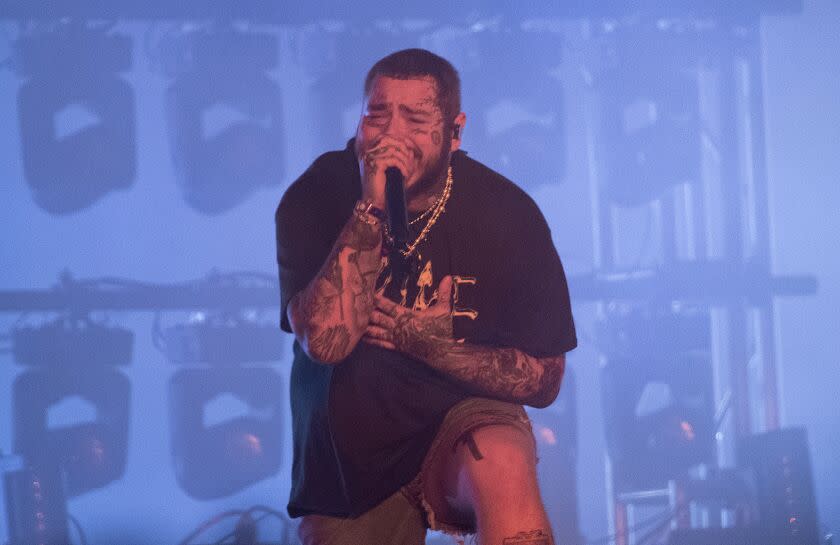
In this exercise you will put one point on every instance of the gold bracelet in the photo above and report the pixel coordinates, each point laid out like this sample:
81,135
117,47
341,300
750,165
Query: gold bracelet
367,213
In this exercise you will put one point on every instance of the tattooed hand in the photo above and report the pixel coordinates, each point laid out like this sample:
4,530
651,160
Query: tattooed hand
504,373
423,334
386,151
329,316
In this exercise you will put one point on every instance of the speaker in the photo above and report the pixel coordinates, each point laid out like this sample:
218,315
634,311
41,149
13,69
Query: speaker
780,465
36,508
658,418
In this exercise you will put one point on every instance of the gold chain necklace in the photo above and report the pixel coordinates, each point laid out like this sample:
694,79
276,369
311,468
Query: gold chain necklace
438,209
427,211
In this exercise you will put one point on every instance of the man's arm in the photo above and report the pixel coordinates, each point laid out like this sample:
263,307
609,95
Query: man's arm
329,316
508,374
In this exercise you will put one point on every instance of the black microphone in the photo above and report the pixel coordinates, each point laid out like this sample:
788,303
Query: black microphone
398,225
395,206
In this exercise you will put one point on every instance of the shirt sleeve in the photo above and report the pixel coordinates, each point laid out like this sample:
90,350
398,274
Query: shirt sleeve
302,243
537,314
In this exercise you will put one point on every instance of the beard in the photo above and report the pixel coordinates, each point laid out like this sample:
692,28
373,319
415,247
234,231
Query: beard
431,180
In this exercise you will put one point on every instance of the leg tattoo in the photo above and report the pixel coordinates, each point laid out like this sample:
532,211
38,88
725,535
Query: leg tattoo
534,537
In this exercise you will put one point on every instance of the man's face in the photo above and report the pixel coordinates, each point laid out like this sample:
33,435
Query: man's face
408,109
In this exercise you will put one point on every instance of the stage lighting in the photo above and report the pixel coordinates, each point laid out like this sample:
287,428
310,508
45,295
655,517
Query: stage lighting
329,54
520,127
221,339
658,418
224,115
216,459
657,394
72,342
650,117
631,331
530,151
524,124
90,454
76,114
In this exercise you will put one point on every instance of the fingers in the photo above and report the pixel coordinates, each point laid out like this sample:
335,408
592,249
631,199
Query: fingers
387,159
445,292
378,159
390,309
377,156
390,151
378,333
377,342
379,318
387,306
401,146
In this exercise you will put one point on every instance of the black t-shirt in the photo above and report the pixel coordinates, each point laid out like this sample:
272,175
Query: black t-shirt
362,427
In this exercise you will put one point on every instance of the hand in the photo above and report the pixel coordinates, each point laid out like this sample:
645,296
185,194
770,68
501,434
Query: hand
418,333
386,151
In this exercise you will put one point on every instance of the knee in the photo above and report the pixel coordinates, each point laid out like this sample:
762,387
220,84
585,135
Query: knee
500,462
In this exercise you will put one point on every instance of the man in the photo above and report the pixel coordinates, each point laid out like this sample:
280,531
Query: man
407,412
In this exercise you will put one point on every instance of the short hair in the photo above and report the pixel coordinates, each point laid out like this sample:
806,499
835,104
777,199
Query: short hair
419,63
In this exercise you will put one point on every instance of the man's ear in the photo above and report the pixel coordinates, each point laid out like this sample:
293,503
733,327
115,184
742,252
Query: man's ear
457,131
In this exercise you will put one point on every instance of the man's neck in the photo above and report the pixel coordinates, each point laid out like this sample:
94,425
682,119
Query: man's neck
426,195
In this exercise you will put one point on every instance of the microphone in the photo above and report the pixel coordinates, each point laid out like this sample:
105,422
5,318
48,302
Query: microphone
398,224
395,206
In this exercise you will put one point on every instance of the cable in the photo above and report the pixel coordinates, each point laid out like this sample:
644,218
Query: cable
212,521
267,511
233,532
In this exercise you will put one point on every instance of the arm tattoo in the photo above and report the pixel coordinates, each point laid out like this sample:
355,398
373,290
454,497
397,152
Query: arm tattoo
503,373
331,343
330,315
506,373
425,338
332,274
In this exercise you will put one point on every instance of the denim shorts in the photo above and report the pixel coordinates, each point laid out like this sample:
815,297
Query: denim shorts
404,517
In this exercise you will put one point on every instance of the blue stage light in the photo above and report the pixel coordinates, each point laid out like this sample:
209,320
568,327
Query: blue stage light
224,114
216,459
73,106
90,454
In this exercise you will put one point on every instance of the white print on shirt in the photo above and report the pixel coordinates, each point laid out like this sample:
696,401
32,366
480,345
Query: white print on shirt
425,285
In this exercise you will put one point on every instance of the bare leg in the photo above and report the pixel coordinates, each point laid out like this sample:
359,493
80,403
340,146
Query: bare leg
495,477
